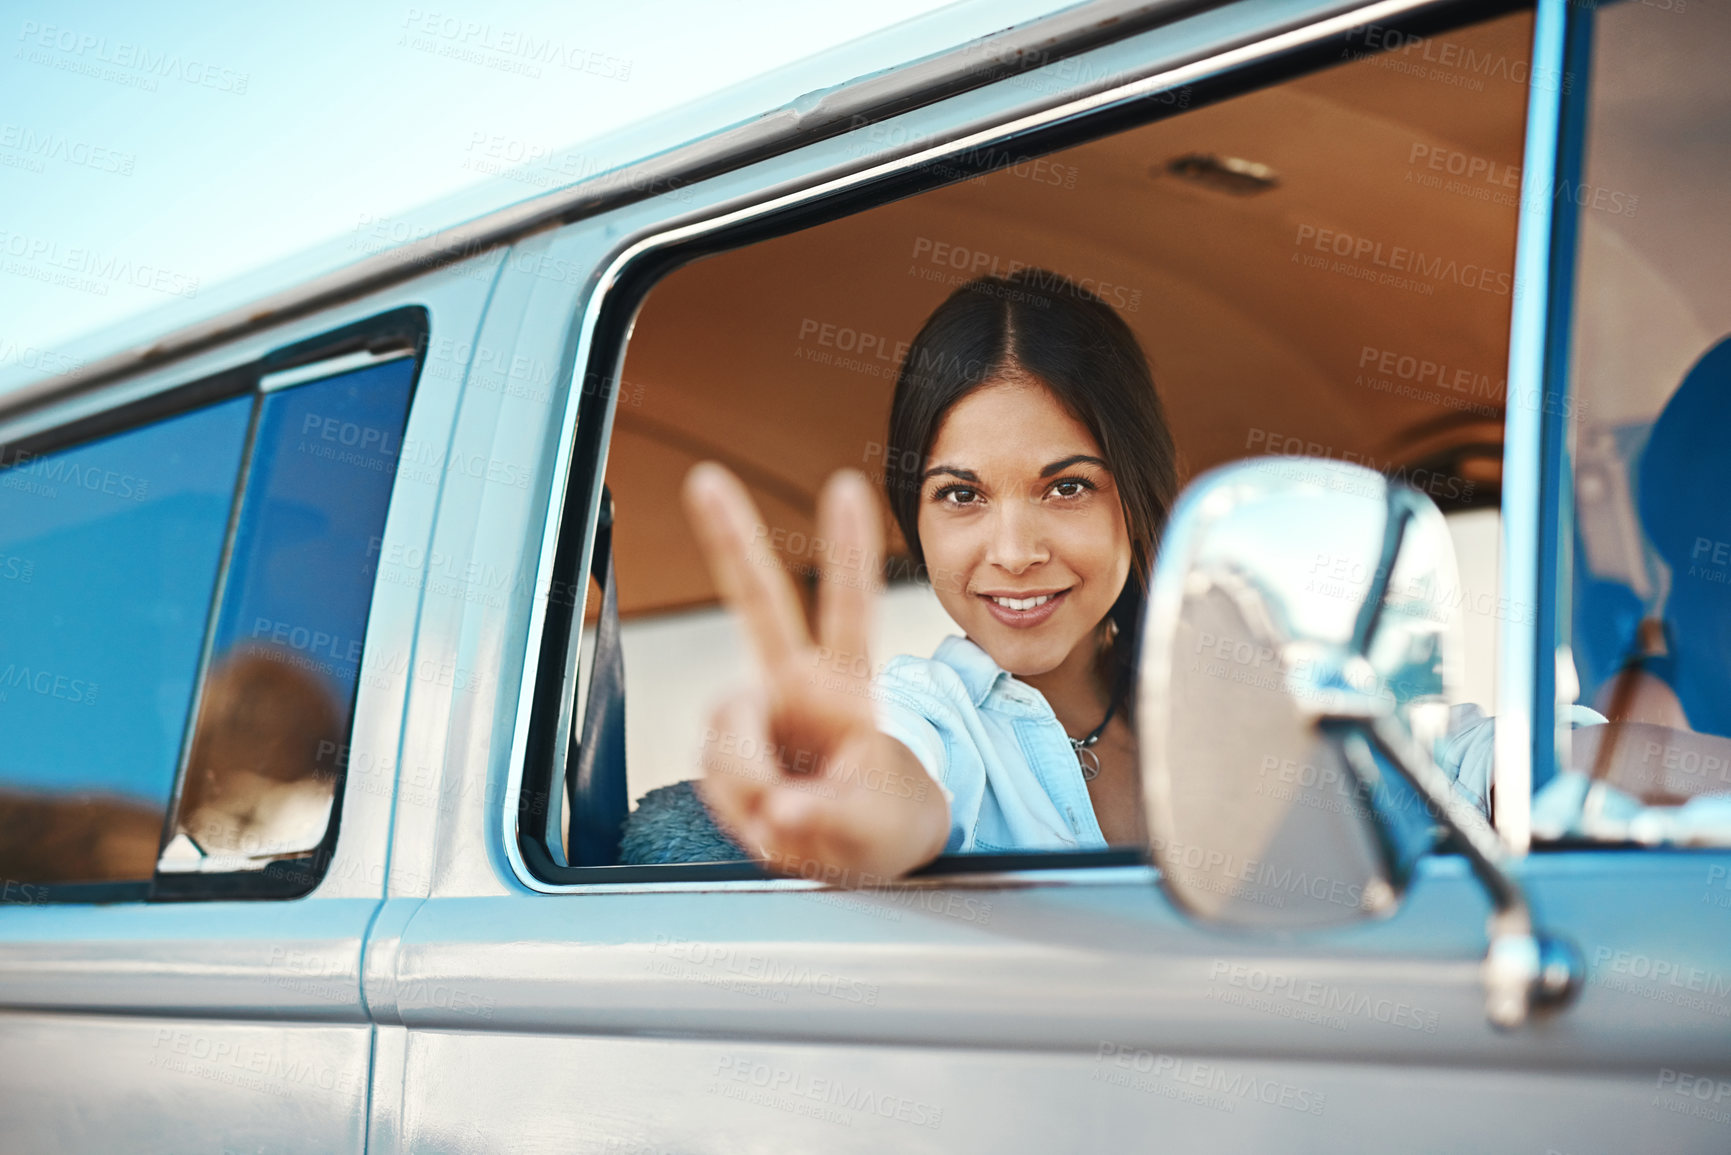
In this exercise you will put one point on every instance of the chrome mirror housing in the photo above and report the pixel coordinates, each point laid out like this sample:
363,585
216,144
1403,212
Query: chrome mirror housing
1299,657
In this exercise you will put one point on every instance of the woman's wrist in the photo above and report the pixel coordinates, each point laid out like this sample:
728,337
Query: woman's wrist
926,824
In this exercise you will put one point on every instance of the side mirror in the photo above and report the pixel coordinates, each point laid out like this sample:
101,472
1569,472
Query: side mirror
1298,661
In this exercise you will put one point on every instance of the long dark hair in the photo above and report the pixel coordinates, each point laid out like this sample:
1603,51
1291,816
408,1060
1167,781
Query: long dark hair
1075,345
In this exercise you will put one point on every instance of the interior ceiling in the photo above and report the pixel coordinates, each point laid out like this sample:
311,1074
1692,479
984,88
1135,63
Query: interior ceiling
1247,342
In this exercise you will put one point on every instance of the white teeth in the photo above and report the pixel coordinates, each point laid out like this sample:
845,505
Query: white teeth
1023,603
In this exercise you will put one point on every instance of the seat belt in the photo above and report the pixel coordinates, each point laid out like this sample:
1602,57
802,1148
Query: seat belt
595,786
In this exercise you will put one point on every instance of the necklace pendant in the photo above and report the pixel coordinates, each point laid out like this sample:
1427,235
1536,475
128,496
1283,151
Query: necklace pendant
1090,763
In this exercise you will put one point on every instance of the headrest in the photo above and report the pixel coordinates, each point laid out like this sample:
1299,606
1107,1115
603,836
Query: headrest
1682,493
1687,517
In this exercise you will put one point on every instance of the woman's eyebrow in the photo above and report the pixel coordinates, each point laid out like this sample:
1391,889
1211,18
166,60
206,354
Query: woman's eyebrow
1064,463
1057,466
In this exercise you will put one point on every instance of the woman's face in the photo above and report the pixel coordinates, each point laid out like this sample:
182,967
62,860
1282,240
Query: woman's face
1023,531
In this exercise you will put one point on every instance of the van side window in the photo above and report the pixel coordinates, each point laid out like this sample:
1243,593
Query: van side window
183,607
1356,311
109,553
285,661
1649,424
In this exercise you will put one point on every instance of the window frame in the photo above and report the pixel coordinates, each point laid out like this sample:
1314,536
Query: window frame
546,708
394,330
1526,685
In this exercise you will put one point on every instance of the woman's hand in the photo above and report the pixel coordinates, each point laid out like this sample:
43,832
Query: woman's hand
794,765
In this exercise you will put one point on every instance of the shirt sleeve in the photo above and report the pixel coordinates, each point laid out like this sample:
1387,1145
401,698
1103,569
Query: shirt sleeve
1465,754
1467,751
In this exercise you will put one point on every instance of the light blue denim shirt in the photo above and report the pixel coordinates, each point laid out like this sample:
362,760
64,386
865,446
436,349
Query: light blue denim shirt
994,747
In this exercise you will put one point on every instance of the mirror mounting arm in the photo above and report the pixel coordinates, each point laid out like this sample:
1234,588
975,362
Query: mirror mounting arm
1400,513
1526,970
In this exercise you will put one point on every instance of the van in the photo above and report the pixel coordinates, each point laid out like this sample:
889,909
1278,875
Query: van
342,635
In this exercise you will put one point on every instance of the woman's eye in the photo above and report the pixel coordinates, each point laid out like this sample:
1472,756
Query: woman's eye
1071,487
956,495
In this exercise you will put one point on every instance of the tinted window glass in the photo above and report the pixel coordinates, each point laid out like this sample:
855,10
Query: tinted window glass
286,654
1651,414
109,554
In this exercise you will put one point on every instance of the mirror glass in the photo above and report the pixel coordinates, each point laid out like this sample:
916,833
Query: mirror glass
1294,604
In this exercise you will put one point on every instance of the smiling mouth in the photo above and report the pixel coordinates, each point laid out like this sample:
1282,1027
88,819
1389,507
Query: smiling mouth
1023,612
1022,603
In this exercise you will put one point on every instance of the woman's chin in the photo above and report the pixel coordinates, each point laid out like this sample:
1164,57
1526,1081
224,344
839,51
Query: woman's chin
1022,656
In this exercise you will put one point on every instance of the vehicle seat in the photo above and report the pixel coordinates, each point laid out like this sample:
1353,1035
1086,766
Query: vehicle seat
596,783
1685,513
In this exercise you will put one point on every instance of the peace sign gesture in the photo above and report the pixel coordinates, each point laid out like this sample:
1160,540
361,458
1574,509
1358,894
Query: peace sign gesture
794,765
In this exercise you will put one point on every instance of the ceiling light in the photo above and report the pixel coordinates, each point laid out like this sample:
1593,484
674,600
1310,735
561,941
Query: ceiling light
1227,174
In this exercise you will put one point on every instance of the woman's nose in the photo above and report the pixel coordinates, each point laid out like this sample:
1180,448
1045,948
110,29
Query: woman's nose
1016,541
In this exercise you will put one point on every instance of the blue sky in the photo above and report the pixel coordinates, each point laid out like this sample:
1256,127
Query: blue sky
151,154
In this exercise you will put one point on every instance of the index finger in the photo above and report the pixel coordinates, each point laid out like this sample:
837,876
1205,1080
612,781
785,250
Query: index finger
727,523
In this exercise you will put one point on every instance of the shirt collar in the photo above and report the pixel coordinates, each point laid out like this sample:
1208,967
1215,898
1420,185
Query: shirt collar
979,673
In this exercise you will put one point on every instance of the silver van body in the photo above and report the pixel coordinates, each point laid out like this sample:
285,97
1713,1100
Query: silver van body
432,994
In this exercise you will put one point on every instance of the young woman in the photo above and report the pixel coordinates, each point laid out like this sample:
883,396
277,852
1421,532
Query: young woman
1044,474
